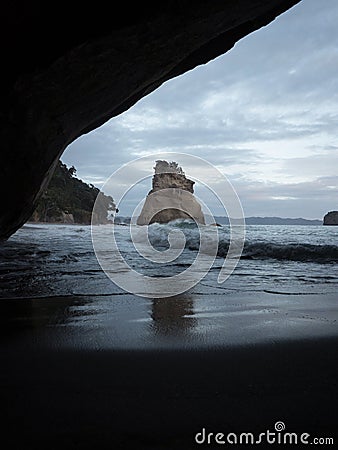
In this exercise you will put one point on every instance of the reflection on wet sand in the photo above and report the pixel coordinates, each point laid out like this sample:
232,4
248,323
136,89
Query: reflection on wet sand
129,322
102,322
172,316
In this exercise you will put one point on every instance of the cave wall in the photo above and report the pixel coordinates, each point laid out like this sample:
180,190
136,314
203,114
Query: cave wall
67,69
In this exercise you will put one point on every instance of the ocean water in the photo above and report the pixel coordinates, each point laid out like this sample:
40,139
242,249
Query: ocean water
54,293
55,260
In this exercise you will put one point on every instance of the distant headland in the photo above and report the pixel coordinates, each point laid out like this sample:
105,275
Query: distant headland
272,221
222,220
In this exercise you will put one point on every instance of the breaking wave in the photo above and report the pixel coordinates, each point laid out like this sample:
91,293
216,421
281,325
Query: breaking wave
291,252
257,250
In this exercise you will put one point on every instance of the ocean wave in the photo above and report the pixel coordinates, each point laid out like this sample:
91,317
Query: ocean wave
259,250
293,252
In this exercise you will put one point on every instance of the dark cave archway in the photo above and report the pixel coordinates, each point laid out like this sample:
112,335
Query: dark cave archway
69,70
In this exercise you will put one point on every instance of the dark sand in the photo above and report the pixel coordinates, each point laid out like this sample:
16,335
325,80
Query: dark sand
59,396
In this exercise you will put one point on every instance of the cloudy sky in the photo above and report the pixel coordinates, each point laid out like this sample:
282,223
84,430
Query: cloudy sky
265,114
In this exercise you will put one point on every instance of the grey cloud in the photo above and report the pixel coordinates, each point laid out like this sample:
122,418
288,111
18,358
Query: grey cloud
310,199
314,165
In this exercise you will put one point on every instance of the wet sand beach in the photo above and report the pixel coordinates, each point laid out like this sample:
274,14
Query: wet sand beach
86,373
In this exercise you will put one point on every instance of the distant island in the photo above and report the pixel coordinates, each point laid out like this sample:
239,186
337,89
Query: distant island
272,221
68,199
331,218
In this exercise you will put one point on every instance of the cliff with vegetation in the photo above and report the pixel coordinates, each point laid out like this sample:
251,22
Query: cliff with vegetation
68,199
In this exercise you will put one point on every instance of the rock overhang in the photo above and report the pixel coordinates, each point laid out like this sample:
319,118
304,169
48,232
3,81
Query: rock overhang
69,69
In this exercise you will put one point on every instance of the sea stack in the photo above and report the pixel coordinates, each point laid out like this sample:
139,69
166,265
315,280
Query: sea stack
331,218
172,197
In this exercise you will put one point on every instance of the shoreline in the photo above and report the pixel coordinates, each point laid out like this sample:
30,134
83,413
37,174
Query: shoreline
195,320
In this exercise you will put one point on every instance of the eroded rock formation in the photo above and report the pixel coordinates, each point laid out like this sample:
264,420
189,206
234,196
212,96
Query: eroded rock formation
67,69
331,218
172,197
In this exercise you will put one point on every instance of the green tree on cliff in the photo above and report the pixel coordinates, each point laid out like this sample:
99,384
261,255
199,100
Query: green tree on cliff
66,194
